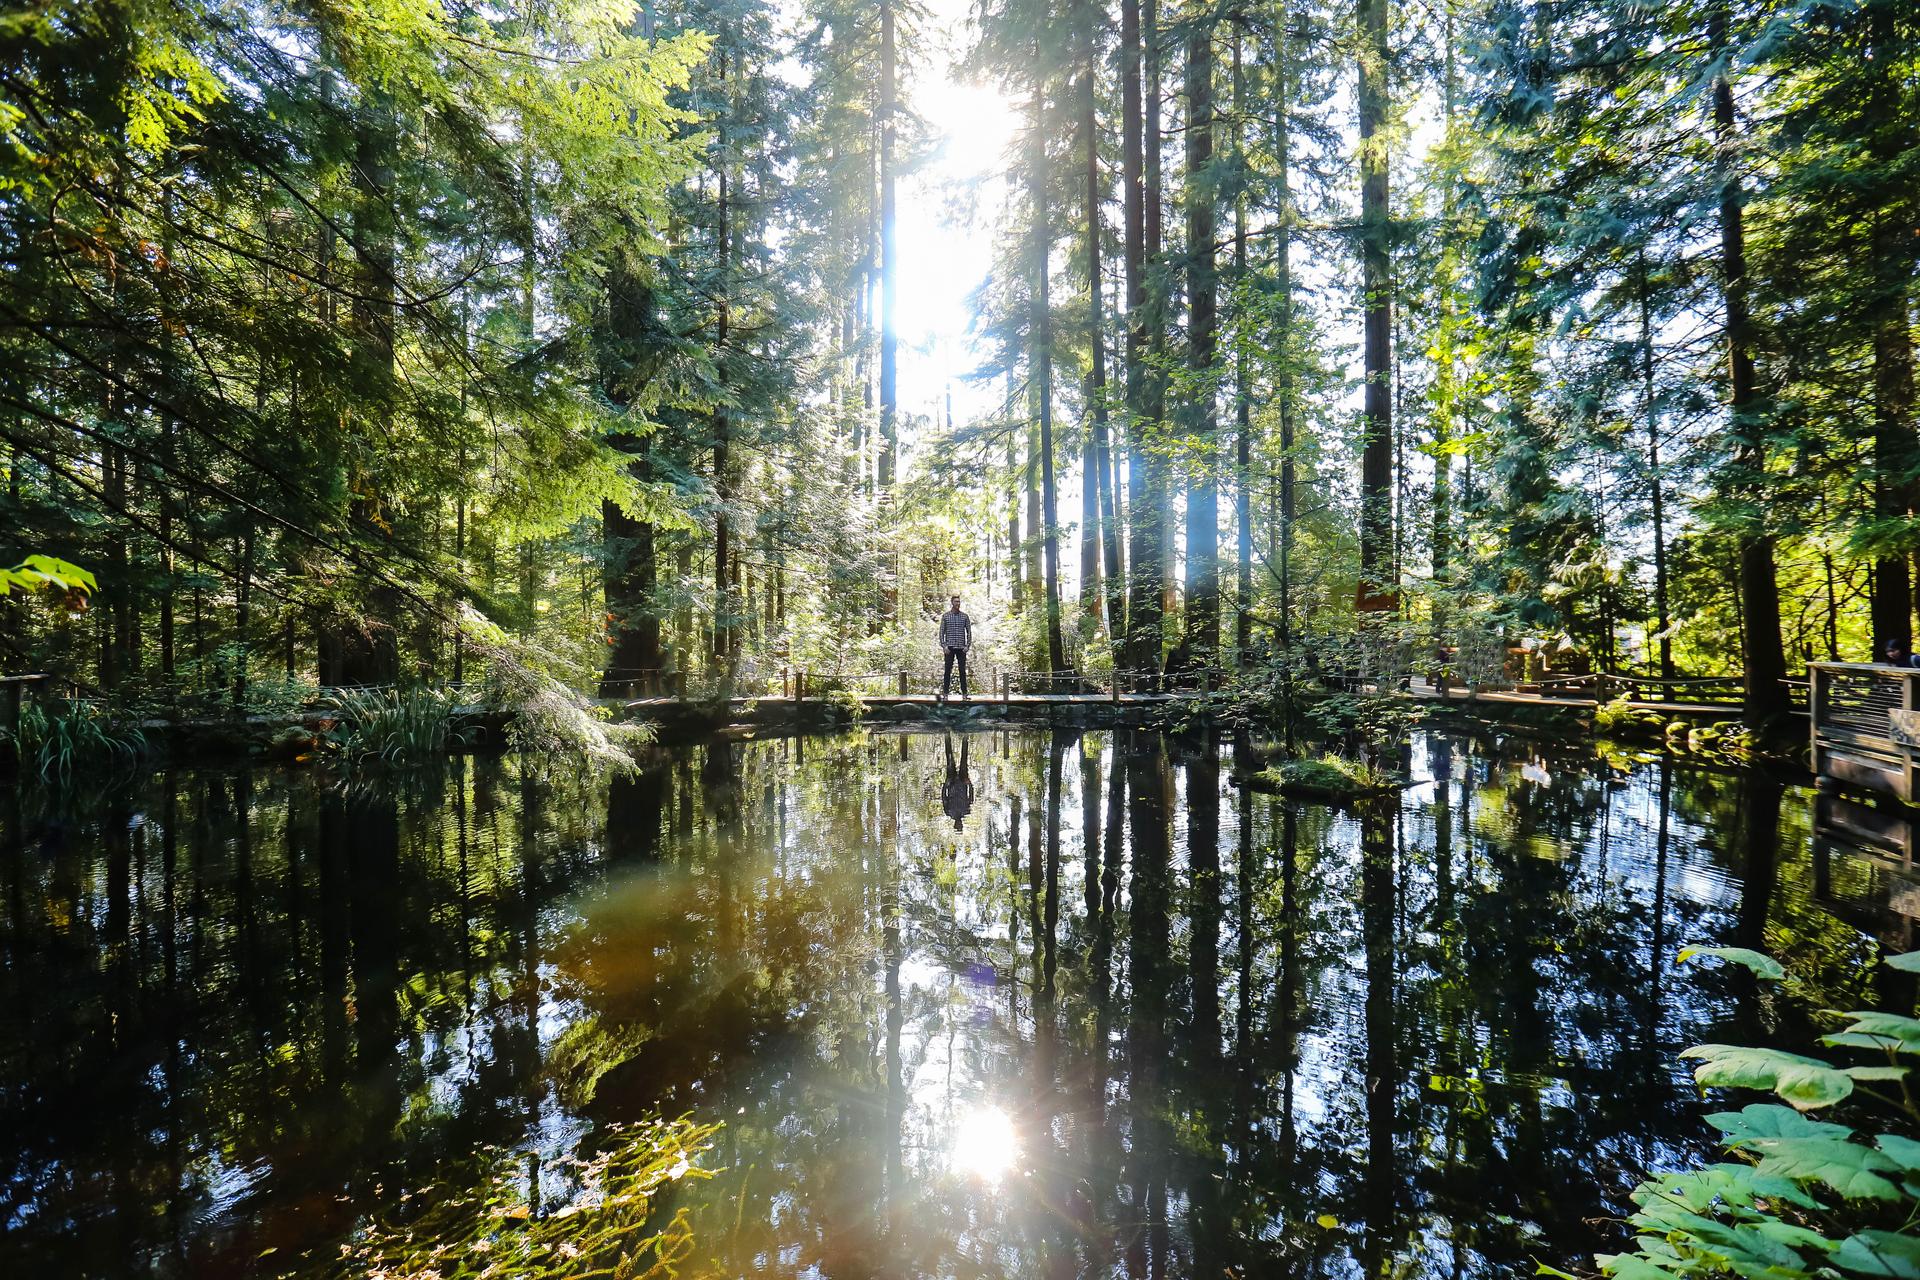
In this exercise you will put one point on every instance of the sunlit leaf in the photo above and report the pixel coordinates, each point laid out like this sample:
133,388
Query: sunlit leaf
1851,1168
1747,958
1771,1120
1805,1083
1894,1030
1629,1267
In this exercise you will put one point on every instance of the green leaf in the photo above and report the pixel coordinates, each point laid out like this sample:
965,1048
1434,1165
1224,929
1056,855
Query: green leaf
1906,961
1771,1120
1629,1266
49,571
1804,1083
1903,1151
1854,1040
1892,1029
1880,1253
1852,1169
1728,1184
1876,1073
1747,958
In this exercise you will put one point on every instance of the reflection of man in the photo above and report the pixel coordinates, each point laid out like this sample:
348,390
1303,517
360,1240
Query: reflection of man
956,795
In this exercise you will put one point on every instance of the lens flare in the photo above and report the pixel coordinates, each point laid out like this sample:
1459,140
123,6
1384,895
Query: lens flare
985,1145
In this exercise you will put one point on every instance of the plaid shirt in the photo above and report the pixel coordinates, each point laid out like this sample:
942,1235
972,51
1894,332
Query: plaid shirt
956,630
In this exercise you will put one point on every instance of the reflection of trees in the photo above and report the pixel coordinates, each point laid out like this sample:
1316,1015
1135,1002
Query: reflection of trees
1441,1022
271,991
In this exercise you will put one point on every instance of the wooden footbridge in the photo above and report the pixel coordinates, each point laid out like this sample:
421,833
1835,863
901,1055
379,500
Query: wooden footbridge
1865,726
903,694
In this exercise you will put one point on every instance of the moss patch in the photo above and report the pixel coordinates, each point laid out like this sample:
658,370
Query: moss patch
1326,777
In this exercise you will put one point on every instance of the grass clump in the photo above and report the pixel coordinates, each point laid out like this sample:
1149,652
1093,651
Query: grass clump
393,726
1327,776
609,1227
61,736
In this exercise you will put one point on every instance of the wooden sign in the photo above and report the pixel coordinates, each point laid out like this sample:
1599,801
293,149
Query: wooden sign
1904,727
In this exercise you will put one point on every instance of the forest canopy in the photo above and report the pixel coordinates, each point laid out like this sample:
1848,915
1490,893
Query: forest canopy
388,342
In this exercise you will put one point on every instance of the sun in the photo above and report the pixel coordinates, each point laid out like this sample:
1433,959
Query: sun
985,1145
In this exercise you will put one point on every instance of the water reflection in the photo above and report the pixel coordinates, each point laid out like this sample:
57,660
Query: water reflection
956,790
1014,1004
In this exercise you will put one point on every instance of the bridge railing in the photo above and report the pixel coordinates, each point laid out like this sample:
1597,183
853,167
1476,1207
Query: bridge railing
1865,724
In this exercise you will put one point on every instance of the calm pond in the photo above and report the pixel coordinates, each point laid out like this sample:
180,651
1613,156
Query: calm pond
995,1004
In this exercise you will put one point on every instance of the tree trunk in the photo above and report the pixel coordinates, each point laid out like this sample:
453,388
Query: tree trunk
1145,474
1763,654
1242,392
1040,362
723,638
366,651
1663,619
1287,344
889,257
1376,456
1896,452
1203,493
1096,516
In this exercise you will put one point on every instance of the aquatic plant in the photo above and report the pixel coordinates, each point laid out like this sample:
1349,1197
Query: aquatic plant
847,704
394,726
1617,718
489,1227
1800,1197
64,735
1327,776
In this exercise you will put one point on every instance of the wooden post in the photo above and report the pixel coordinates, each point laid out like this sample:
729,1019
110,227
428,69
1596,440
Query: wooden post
680,685
1115,682
786,683
903,684
1906,752
1006,687
1813,717
800,685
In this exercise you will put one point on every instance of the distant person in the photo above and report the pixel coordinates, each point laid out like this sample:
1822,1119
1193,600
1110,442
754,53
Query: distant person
956,637
956,793
1897,654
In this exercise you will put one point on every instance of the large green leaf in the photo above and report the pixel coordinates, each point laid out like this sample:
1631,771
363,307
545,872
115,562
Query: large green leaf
1904,1152
1771,1120
1886,1254
1804,1083
1727,1184
1629,1266
1877,1073
1851,1168
1907,961
1746,957
1892,1030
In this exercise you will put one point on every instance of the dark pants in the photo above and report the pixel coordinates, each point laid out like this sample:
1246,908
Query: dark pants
955,657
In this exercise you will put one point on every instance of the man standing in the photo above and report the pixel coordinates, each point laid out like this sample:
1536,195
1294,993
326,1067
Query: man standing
956,637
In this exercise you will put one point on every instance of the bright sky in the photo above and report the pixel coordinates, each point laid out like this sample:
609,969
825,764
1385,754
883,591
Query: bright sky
946,214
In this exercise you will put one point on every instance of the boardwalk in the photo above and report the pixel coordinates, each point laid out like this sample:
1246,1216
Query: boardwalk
1514,697
901,706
